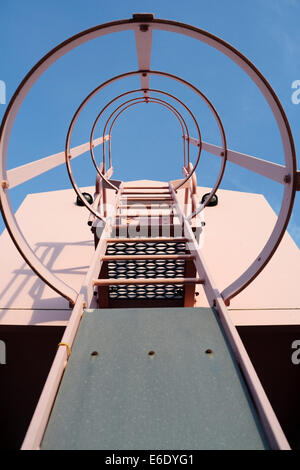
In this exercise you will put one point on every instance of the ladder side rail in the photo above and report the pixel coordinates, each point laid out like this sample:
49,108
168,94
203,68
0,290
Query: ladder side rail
42,412
99,196
38,424
43,409
269,421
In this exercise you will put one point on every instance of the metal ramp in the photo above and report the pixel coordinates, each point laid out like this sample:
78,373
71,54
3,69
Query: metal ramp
152,379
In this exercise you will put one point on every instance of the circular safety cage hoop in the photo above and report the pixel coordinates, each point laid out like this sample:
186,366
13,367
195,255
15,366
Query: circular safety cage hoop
143,24
128,104
189,172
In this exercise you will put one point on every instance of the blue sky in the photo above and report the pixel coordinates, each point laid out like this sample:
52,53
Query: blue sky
147,140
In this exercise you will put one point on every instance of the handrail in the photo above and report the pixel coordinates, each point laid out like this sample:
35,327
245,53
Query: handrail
203,97
268,418
42,412
291,178
138,100
192,188
100,87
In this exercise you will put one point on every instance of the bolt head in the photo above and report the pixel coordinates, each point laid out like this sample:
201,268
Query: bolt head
5,184
144,28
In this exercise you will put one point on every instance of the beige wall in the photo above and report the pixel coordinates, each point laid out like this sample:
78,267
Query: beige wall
235,232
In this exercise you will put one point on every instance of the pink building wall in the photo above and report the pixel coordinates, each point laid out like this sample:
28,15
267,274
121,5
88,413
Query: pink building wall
235,232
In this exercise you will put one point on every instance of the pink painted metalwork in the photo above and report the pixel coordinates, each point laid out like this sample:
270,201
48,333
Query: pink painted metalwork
23,173
143,41
190,31
291,183
149,100
40,417
5,131
142,281
265,168
102,86
269,420
174,77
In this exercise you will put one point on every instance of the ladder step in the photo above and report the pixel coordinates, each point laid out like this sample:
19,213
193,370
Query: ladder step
144,214
147,198
143,206
146,190
139,225
146,187
142,281
120,218
149,240
145,257
125,193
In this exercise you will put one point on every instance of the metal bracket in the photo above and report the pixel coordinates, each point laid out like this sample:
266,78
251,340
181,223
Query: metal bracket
116,183
298,181
142,17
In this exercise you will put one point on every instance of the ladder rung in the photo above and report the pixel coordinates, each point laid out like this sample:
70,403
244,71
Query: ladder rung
123,281
163,199
146,187
146,190
138,225
154,213
143,206
149,240
145,257
145,215
145,194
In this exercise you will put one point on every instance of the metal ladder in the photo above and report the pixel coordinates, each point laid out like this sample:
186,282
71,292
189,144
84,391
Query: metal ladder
148,260
195,272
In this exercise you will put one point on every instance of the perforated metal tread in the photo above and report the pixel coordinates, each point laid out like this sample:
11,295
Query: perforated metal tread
135,269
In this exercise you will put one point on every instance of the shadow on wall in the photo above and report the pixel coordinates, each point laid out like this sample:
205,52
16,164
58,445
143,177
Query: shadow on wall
48,253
